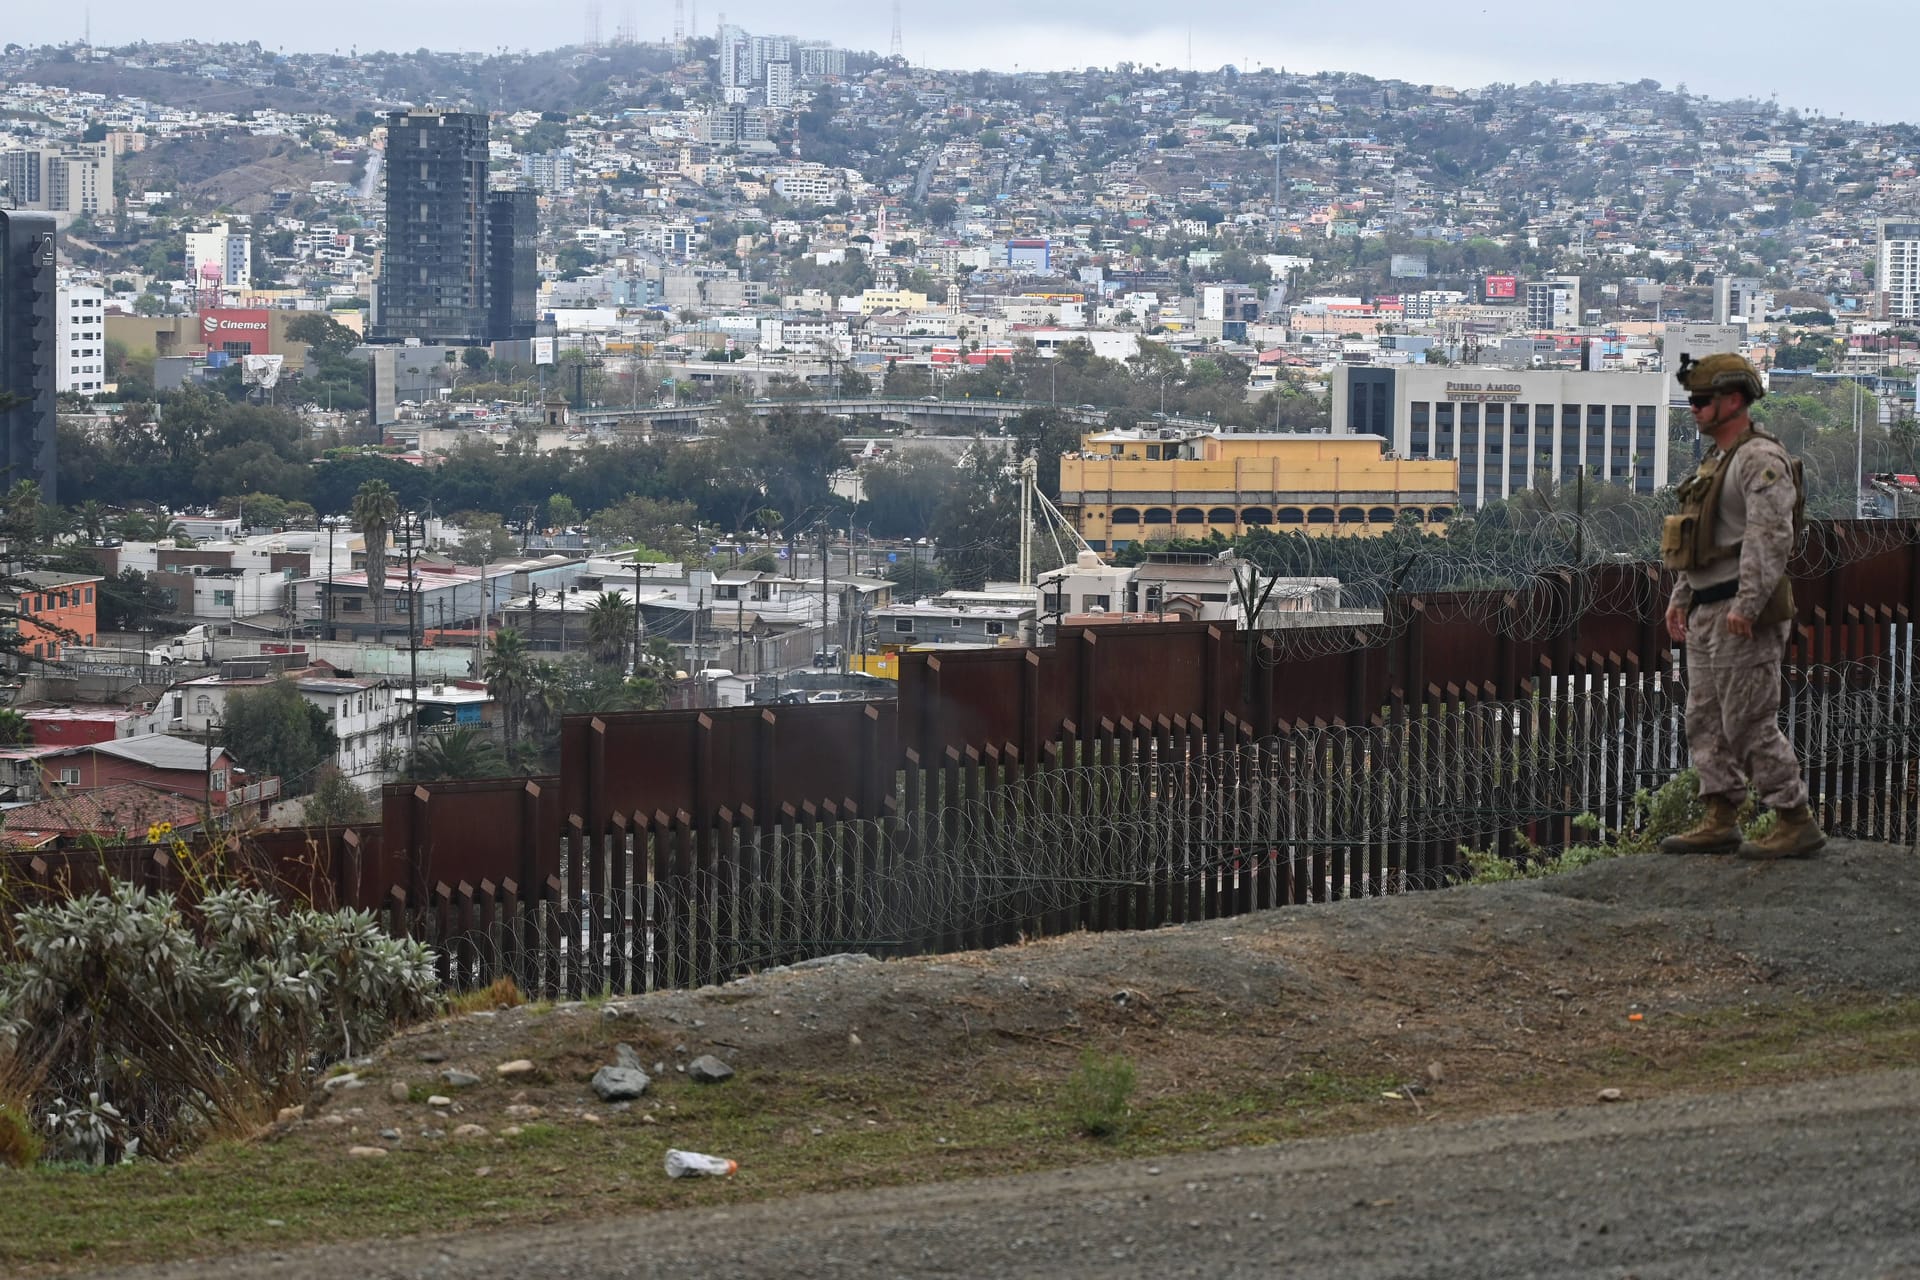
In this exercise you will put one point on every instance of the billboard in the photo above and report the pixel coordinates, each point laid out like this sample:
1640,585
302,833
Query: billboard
1409,266
236,330
261,371
543,350
1499,288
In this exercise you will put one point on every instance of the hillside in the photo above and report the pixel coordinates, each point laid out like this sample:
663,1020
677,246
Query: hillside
182,89
234,171
1647,975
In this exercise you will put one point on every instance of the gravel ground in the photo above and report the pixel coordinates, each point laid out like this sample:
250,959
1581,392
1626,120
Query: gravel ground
1815,1179
1502,996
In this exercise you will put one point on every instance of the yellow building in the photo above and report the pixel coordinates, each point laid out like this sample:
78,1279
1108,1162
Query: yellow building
892,300
1156,483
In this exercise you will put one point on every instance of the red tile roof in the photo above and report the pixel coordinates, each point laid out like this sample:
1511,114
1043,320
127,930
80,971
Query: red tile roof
125,809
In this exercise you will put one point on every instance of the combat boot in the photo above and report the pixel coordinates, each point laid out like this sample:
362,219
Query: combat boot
1717,832
1795,835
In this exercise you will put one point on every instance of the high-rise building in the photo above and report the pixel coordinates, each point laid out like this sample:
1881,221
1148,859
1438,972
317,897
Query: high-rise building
1554,303
1737,300
1513,429
821,60
765,49
221,256
550,171
25,173
733,124
1899,270
74,179
513,264
434,270
736,57
82,341
29,348
780,85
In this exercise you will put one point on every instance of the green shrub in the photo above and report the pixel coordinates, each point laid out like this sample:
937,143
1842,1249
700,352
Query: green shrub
1651,816
1096,1095
148,1031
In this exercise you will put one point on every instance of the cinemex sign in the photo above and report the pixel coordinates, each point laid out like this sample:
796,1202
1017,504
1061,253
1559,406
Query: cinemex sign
232,325
1482,392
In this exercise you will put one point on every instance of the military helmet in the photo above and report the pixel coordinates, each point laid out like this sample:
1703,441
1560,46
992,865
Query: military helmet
1722,372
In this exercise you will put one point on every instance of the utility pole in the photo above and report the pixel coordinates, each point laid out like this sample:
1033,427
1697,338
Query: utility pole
640,626
825,635
1029,468
326,605
413,644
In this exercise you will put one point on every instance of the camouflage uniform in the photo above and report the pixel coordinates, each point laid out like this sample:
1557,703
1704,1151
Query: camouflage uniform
1733,682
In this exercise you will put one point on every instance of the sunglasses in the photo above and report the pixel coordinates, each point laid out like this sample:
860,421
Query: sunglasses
1701,399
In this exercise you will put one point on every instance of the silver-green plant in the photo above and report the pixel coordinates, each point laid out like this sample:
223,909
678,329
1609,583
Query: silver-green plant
143,1030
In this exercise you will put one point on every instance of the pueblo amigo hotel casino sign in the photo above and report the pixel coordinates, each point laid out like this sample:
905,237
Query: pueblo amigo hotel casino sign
1481,392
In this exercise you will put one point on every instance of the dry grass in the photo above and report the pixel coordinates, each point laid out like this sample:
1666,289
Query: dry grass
503,994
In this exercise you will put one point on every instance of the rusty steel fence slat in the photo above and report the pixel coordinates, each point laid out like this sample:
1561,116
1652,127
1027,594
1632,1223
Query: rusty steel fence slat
1125,778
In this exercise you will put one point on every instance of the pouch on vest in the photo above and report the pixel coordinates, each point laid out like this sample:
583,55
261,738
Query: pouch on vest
1677,535
1779,605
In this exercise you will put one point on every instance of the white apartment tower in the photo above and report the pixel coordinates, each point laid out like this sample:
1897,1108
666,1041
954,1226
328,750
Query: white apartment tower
736,57
779,85
766,49
221,254
81,335
1899,270
1554,303
1737,300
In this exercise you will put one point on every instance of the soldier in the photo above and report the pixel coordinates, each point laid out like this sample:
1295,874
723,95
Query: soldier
1732,606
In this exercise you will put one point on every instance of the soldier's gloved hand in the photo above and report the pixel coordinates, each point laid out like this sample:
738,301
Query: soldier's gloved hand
1739,626
1677,624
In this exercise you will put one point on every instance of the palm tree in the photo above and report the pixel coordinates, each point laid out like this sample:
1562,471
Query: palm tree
92,517
157,526
610,625
53,524
456,754
22,518
374,511
509,675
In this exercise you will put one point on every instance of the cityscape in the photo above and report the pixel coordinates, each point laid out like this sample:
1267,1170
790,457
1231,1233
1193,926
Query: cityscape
719,443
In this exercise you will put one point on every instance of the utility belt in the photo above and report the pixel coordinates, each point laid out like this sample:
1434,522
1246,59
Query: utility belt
1714,594
1778,608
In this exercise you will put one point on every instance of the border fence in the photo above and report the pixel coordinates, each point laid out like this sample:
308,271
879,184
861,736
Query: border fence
1126,778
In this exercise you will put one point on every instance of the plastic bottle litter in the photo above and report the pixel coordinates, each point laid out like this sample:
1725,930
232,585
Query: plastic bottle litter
692,1164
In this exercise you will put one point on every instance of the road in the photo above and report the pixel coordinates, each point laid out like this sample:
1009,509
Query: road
1814,1179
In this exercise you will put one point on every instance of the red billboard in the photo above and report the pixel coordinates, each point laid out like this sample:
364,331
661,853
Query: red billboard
1498,287
238,331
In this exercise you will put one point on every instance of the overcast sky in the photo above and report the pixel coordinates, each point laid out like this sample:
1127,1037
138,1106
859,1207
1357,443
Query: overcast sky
1858,67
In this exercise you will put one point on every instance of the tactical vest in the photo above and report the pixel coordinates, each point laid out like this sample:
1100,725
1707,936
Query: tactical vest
1686,538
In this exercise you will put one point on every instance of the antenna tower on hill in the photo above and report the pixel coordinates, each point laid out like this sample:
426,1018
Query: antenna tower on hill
593,24
897,50
679,22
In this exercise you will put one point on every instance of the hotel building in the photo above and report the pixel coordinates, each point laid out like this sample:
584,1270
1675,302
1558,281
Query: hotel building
1510,430
1162,483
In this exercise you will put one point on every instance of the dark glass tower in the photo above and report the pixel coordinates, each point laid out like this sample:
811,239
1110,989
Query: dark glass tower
513,264
434,268
28,350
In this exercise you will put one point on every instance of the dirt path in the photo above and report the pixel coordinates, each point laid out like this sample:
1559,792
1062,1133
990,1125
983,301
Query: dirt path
1692,985
1812,1179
